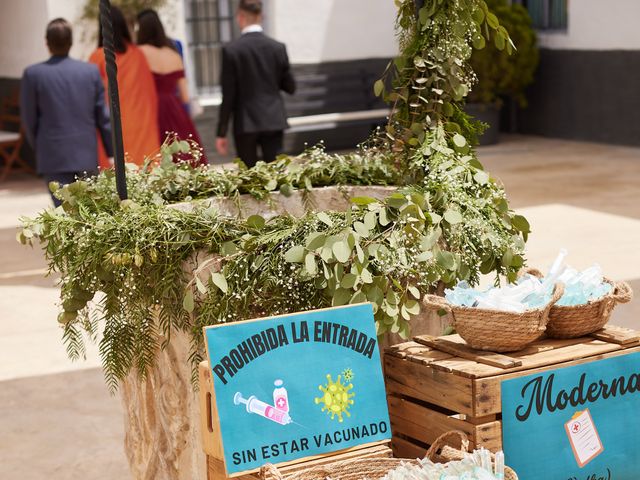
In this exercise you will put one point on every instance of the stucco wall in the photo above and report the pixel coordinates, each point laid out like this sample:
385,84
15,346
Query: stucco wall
333,30
597,25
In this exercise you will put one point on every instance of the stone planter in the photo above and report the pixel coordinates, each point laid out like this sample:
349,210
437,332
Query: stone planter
488,113
162,419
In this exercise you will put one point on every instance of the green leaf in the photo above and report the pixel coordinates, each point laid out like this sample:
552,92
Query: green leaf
349,280
340,297
361,229
378,88
459,141
325,218
492,20
479,42
316,240
499,41
358,297
521,224
341,251
384,218
200,286
256,221
424,256
453,216
286,189
507,258
295,254
363,200
414,292
446,260
228,248
188,302
366,276
370,220
220,281
310,264
412,307
478,15
481,177
271,185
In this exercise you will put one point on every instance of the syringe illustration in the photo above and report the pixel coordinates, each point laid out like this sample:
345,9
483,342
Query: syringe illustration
260,408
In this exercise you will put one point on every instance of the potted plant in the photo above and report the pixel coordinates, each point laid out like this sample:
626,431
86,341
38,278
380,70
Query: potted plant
502,76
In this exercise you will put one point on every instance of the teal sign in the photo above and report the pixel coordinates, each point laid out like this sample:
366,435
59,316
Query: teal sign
575,423
297,385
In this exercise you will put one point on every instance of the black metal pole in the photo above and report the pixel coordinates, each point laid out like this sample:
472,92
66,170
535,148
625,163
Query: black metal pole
114,97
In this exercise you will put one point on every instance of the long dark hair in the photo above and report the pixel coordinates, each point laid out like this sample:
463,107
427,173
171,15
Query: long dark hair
121,33
151,31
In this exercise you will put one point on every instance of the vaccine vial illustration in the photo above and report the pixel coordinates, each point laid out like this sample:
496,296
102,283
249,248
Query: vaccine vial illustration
280,397
260,408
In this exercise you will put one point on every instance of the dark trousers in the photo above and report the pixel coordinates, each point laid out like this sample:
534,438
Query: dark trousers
65,178
247,146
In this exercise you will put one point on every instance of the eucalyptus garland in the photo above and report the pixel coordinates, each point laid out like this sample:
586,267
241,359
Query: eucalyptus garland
124,262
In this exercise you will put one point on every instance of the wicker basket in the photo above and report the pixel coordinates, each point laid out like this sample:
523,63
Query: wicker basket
497,330
376,468
580,320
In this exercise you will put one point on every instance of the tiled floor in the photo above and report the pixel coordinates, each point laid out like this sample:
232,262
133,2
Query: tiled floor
57,419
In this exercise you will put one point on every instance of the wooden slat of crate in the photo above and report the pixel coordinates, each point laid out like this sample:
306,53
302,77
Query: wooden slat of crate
426,424
410,379
404,448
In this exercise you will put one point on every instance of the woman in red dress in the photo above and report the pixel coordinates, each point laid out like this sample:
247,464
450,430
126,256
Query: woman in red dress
168,73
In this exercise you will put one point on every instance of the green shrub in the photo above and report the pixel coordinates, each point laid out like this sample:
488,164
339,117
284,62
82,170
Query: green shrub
502,75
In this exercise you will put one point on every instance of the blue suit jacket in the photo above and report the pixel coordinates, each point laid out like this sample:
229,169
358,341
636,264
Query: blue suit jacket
62,104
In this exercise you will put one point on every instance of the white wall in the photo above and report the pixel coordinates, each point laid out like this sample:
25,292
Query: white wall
22,31
598,25
23,24
330,30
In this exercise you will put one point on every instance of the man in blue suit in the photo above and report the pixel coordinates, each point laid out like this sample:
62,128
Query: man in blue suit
62,105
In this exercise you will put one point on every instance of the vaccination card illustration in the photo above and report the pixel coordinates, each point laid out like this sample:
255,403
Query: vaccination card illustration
297,385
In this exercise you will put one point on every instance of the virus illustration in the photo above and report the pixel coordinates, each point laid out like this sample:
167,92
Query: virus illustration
337,398
348,375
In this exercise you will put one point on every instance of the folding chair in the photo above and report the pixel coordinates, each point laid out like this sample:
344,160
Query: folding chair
11,139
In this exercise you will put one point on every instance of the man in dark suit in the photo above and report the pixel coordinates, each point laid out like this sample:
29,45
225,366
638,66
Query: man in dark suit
254,70
62,104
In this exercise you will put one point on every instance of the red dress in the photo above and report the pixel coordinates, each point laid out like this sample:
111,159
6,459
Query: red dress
172,116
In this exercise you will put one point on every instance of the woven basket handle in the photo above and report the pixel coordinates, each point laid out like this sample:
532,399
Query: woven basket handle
436,302
444,440
622,292
531,271
271,470
558,291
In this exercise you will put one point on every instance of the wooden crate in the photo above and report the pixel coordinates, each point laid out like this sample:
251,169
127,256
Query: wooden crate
437,384
212,445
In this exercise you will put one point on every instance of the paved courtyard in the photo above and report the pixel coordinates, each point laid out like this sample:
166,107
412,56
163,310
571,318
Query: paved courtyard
57,418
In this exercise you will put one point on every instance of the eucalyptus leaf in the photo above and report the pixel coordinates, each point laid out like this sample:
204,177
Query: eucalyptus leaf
310,264
295,254
341,251
453,216
220,281
188,301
